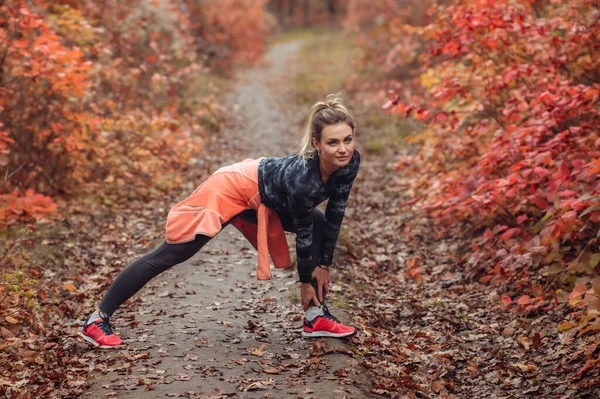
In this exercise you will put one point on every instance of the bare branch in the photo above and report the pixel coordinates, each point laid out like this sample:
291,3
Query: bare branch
8,176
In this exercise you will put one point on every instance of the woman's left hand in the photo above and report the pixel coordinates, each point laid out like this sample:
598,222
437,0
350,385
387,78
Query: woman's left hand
323,277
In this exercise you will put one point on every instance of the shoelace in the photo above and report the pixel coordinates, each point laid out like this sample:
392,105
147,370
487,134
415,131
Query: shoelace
329,315
105,325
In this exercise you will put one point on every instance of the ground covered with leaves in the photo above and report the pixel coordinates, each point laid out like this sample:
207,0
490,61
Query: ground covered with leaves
431,330
205,329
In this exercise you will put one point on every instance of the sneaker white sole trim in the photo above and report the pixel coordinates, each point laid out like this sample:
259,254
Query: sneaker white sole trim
328,334
96,344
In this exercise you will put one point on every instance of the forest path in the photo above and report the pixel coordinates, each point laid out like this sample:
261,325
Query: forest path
207,328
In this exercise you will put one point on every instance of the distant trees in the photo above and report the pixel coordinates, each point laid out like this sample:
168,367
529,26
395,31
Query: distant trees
306,13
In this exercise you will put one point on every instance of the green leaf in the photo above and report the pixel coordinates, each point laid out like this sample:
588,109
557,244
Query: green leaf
596,285
546,216
585,197
557,202
590,209
555,268
594,260
565,326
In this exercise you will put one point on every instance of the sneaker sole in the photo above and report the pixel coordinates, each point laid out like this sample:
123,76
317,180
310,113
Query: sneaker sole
96,344
327,334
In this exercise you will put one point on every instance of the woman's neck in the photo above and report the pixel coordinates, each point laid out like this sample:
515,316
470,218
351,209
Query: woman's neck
326,170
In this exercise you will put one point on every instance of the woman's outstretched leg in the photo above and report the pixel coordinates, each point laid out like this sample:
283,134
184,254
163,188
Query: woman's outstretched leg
97,328
137,274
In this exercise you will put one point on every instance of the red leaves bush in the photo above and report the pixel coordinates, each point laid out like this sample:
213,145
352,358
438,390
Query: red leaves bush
509,92
20,208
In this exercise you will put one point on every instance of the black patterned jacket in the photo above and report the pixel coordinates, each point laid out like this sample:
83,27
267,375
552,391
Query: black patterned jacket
295,185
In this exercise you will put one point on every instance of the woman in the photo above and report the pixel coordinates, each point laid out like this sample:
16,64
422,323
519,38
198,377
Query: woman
262,198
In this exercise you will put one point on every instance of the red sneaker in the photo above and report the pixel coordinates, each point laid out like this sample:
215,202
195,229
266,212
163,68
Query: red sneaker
100,333
327,326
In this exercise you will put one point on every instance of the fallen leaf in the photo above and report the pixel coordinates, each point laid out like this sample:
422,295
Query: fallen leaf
69,287
524,367
258,351
508,331
6,333
591,327
182,377
255,386
537,340
526,342
524,300
272,371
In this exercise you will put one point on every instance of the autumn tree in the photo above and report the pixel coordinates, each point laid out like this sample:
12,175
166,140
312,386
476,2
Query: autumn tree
95,93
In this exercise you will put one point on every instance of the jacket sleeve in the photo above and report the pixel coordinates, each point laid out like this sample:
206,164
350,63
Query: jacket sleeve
334,213
304,237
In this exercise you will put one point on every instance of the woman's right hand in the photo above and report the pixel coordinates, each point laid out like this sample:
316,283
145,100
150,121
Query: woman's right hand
307,293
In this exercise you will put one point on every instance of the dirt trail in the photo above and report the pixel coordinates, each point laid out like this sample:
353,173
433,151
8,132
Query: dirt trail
207,328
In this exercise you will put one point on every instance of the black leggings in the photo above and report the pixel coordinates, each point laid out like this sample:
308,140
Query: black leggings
165,256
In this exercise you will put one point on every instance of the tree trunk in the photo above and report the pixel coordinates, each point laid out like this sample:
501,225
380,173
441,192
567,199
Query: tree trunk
306,13
332,8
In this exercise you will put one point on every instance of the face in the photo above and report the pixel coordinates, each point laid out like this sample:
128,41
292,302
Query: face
336,145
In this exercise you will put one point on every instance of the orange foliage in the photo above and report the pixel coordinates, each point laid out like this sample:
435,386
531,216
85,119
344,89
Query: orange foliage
95,95
19,208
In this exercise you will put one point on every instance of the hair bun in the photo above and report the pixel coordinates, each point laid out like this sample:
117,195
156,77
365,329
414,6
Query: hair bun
333,99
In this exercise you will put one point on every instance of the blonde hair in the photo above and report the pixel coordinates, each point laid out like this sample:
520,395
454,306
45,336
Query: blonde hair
323,113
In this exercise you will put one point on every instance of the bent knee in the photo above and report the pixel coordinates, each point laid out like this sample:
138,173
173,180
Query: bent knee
318,217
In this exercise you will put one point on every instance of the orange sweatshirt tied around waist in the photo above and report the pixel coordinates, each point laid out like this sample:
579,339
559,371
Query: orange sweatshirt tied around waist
226,193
